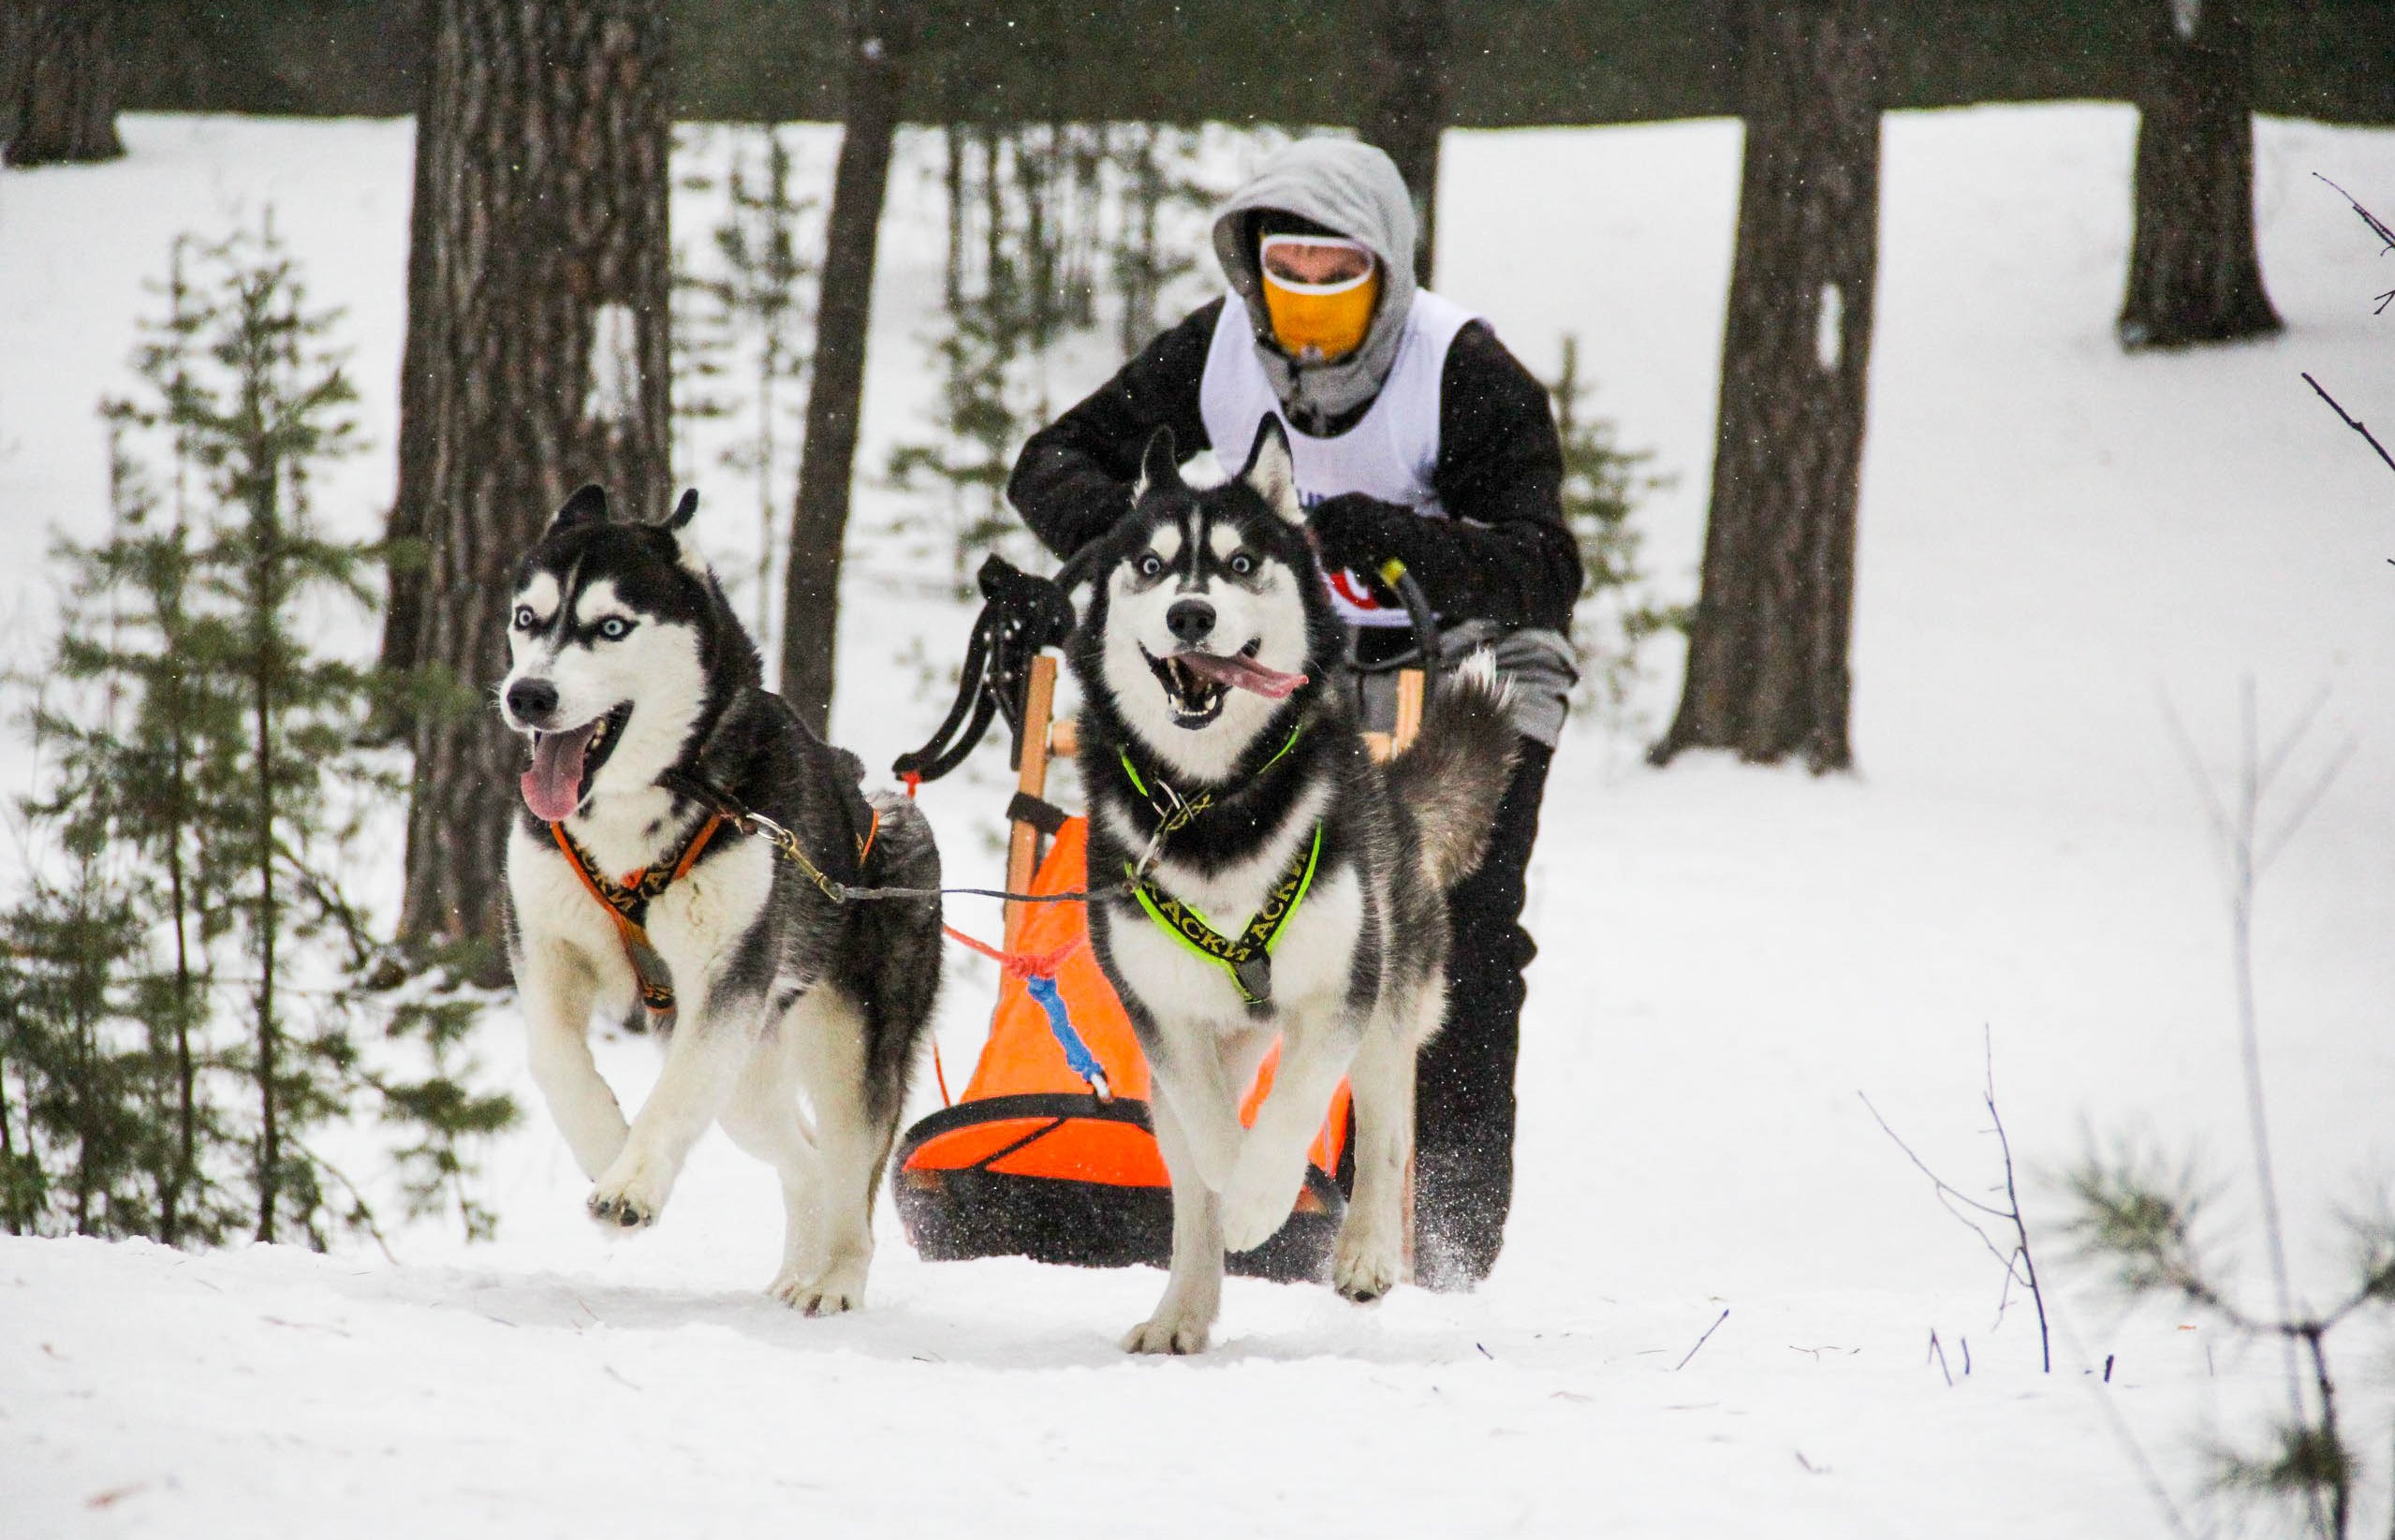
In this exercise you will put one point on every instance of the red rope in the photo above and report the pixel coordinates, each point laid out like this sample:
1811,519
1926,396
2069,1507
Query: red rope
1020,964
913,780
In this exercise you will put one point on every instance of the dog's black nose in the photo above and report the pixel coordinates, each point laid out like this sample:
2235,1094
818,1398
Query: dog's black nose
532,701
1190,620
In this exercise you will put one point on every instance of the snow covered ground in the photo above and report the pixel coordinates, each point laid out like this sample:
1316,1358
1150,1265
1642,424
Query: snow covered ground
2056,540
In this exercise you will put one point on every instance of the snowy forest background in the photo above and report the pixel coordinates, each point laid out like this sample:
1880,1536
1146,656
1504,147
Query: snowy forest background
2095,554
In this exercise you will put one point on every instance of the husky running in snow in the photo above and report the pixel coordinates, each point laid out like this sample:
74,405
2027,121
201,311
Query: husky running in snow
641,697
1300,892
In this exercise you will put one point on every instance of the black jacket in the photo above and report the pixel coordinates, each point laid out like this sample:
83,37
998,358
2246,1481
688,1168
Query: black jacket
1504,556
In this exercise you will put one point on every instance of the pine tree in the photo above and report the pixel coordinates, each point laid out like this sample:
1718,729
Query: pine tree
701,341
758,293
277,407
434,1109
1145,260
1038,216
105,1038
86,1080
1603,484
187,1008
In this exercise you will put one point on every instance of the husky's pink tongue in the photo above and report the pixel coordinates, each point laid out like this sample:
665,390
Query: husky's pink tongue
1240,673
553,787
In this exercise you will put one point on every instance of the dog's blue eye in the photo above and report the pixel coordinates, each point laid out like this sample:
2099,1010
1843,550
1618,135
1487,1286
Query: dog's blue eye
1150,565
615,628
524,617
1242,564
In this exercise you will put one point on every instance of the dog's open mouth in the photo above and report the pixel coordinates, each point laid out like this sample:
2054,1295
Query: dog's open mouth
565,763
1197,682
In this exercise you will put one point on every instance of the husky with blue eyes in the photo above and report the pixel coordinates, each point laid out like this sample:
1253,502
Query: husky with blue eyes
1283,884
642,872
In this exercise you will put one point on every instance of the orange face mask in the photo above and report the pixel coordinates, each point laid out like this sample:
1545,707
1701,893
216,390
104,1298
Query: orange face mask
1320,291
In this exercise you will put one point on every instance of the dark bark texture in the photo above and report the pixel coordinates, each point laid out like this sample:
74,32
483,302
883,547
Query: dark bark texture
2194,275
536,359
58,64
1768,672
1409,88
881,43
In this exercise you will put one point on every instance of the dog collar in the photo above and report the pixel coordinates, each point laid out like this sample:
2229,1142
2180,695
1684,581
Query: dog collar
627,903
1248,958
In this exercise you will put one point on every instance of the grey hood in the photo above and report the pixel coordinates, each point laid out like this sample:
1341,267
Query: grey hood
1353,188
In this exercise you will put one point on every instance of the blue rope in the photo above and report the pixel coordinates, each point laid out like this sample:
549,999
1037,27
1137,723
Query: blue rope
1060,1021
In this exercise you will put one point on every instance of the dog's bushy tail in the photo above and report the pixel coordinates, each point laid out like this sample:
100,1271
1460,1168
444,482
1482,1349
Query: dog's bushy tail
1455,771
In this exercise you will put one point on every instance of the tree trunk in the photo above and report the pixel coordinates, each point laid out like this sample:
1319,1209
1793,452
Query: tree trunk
1766,654
1407,80
881,44
56,62
419,460
537,359
2193,274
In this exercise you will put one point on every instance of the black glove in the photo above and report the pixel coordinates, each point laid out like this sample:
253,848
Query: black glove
1359,532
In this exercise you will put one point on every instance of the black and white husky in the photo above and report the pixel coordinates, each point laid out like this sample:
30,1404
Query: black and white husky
1203,660
641,695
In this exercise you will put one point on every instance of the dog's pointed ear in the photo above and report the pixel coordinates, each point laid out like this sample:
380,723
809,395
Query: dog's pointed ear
1159,466
678,527
588,505
1270,471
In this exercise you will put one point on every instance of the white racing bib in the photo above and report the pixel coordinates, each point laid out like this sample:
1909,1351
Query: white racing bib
1387,454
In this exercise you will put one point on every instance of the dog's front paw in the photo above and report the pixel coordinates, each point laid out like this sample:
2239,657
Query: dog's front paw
631,1193
834,1291
1363,1267
1257,1203
1169,1330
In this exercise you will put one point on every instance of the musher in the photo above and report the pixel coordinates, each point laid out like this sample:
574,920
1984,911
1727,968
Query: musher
1419,437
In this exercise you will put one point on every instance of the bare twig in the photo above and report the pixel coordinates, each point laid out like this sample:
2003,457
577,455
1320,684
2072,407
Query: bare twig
2352,421
1937,1351
2019,1265
1702,1341
2020,1230
2386,236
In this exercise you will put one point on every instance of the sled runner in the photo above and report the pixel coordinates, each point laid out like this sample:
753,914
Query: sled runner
1047,1153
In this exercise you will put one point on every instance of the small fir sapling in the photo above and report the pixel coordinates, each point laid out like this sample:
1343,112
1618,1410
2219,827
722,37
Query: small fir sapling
205,777
85,1145
1051,229
741,338
2140,1215
122,720
699,342
1603,486
1157,237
